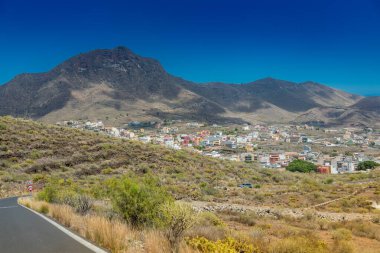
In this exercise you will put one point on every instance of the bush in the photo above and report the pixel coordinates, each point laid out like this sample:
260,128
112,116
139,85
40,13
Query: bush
67,193
139,202
299,244
177,218
329,181
342,234
209,218
248,219
230,245
301,166
48,194
82,204
43,209
367,165
342,243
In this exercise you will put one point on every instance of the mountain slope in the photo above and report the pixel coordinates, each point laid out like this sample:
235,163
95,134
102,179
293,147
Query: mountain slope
102,84
366,112
118,86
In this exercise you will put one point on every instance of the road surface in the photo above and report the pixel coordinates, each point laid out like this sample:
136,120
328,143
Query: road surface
22,231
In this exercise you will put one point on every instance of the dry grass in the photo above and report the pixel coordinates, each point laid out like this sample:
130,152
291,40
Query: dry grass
267,235
113,235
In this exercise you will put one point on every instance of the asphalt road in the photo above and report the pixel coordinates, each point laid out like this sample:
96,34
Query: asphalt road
22,231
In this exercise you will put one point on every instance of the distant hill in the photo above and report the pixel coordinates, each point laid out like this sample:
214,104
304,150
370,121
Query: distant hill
366,112
36,150
368,104
118,86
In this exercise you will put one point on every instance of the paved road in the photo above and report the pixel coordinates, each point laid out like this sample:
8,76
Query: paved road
22,231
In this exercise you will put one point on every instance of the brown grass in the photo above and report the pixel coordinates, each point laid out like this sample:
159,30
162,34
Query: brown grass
113,235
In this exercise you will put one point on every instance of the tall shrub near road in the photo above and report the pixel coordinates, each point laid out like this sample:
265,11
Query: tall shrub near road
138,201
177,218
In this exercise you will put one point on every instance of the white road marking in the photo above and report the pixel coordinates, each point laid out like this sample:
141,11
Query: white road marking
69,233
4,207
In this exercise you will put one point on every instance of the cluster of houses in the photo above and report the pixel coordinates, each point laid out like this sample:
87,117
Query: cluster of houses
326,164
245,142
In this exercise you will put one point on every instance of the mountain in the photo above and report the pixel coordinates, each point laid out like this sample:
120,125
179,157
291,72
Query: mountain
365,112
118,86
368,104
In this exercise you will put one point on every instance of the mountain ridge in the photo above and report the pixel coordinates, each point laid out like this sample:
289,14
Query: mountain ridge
117,86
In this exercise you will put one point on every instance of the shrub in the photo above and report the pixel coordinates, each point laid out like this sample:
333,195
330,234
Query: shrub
301,166
230,245
209,218
59,191
43,209
342,234
82,204
107,171
367,165
248,219
342,243
138,201
329,181
299,244
48,194
177,218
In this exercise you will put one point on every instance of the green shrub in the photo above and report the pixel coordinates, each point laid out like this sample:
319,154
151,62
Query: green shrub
367,165
48,194
43,209
342,234
301,166
329,181
228,245
177,218
139,202
209,218
107,171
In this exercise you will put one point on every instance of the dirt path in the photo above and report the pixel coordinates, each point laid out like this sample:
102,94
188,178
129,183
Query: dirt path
334,200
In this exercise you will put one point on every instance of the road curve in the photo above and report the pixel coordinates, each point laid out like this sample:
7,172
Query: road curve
22,231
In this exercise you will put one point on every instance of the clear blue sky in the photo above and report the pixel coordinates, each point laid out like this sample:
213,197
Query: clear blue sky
335,42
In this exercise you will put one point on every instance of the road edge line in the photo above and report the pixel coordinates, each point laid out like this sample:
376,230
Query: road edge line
74,236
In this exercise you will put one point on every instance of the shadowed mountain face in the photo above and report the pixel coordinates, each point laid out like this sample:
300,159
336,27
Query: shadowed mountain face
368,104
118,86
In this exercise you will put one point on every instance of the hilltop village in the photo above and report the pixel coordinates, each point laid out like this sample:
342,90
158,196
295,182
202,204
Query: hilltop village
333,150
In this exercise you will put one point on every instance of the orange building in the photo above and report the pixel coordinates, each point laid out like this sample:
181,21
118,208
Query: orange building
324,169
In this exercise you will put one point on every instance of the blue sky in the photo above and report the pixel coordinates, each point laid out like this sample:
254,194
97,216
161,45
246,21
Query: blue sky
334,42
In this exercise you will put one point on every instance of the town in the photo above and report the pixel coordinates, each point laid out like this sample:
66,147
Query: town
333,150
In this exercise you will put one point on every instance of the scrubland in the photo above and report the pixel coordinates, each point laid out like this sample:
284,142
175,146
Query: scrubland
87,182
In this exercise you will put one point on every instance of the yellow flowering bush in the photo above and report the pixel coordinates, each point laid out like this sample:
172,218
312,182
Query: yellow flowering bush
227,245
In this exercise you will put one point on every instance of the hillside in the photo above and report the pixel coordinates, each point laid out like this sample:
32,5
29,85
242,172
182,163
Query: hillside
279,206
366,112
368,104
32,150
118,86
